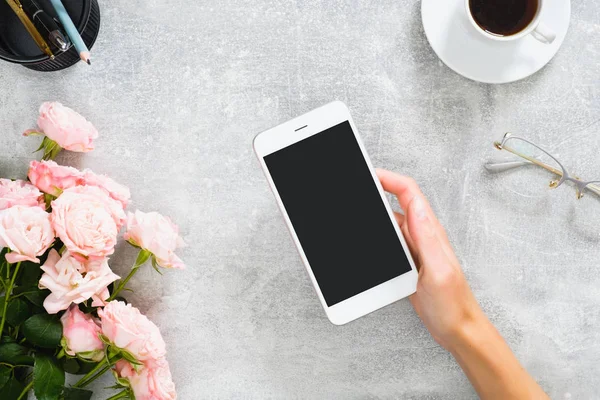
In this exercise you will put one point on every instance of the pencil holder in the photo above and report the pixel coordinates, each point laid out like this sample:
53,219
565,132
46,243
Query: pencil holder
17,46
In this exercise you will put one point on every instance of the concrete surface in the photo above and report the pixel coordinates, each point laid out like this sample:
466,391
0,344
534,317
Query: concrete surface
179,89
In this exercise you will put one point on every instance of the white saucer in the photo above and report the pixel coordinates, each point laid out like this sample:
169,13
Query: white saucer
466,51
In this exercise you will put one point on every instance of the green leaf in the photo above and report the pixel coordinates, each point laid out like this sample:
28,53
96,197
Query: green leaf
55,152
42,145
85,367
77,394
155,265
4,375
130,357
48,198
104,339
49,148
3,264
43,330
70,365
32,293
30,274
37,298
15,354
17,311
12,389
122,382
48,378
7,339
23,289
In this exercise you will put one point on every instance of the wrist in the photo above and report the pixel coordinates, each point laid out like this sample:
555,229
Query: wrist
472,329
489,363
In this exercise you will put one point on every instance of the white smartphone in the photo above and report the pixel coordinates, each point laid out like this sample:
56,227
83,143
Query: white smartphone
337,212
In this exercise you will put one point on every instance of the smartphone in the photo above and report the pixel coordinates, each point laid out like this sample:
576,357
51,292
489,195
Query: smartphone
337,212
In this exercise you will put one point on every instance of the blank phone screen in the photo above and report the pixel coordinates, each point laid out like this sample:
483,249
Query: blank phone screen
337,213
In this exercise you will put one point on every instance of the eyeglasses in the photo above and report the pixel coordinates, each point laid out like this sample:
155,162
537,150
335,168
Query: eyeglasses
534,154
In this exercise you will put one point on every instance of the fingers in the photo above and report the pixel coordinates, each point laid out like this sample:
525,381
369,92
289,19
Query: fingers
426,233
405,189
401,220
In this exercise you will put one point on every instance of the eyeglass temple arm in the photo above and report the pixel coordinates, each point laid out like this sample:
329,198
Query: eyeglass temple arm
534,161
594,188
502,166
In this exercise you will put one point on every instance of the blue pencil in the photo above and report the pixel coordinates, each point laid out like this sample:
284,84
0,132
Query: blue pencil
67,23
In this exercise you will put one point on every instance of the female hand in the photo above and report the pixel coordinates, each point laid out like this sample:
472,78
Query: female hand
447,306
443,299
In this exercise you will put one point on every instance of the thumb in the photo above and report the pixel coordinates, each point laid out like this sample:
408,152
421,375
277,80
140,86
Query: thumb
424,233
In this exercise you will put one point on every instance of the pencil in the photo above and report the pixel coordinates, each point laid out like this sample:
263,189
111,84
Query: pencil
35,34
72,31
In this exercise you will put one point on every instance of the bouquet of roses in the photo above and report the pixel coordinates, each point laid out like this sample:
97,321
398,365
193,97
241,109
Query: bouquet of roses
60,308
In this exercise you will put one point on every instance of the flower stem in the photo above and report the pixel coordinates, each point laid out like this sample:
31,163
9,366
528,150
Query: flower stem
7,296
5,263
99,366
98,375
142,257
123,283
97,372
120,395
27,389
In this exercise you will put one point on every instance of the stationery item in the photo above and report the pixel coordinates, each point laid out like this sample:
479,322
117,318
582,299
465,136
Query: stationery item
35,34
16,45
46,25
532,154
72,31
470,51
506,20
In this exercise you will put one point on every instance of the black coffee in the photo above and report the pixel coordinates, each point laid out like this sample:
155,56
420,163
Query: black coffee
503,17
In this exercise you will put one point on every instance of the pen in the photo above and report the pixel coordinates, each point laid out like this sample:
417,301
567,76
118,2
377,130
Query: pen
35,34
46,24
72,31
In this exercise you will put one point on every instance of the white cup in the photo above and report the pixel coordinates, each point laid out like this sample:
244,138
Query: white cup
536,28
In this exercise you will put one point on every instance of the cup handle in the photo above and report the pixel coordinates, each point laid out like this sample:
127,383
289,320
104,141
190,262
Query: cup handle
544,34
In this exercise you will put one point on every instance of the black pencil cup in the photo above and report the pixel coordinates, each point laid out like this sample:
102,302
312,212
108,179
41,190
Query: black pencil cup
17,46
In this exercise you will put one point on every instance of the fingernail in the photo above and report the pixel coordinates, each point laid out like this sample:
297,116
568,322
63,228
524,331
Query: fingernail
422,215
419,207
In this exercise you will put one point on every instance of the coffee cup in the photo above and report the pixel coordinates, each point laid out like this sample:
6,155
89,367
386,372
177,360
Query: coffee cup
503,20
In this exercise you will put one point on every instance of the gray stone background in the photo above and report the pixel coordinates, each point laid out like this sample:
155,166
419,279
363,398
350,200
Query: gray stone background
179,89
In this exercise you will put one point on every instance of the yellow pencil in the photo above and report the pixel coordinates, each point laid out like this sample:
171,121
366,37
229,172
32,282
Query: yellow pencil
35,34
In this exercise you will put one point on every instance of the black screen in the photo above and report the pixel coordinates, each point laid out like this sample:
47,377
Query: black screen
337,213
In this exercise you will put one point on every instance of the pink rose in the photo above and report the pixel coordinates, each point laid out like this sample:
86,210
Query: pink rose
72,281
87,221
128,329
13,193
26,231
157,234
152,382
116,191
52,178
81,335
66,127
